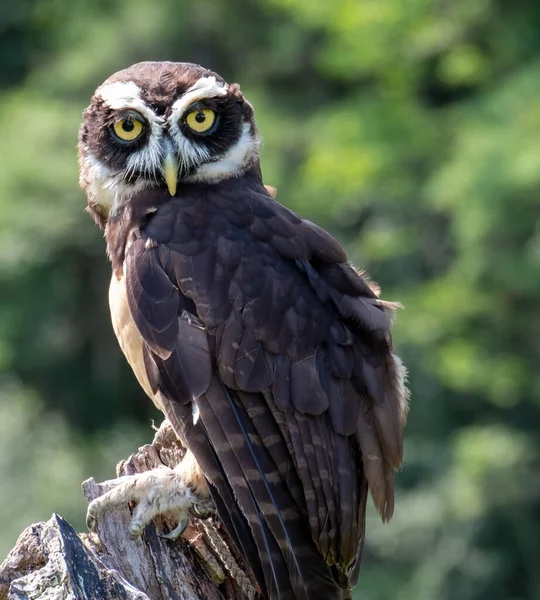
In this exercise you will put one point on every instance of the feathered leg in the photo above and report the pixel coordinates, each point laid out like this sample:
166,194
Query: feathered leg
162,491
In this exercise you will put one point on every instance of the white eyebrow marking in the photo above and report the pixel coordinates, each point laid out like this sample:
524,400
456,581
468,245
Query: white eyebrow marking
125,95
120,94
205,87
190,152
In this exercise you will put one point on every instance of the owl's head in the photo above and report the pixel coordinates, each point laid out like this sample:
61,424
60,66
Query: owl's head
159,123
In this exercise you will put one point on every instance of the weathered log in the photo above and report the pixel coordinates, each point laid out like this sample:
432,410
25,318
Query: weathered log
51,561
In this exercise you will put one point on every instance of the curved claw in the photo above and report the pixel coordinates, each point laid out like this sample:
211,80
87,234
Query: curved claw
177,531
91,521
136,527
91,515
201,511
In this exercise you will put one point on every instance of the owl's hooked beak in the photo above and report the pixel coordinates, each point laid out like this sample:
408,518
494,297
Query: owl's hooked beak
170,172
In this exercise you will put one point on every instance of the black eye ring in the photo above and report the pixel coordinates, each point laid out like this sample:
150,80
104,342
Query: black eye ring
126,123
200,113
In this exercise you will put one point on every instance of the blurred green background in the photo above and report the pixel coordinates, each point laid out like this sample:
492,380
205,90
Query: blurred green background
411,130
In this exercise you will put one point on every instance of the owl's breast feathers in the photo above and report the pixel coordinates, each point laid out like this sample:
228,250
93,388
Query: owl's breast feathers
255,315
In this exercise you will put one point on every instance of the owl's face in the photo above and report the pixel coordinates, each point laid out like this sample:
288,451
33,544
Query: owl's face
157,124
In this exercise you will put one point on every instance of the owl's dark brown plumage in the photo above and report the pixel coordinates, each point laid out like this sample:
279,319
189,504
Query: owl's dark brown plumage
252,319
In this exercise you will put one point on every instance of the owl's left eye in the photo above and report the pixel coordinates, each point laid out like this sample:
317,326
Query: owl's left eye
201,120
128,129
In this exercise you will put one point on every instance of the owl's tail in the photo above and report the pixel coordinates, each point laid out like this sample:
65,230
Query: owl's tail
257,501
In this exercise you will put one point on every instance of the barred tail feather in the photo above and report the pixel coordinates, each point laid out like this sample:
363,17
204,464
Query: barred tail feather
292,566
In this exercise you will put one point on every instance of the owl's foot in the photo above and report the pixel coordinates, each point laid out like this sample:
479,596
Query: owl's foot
163,491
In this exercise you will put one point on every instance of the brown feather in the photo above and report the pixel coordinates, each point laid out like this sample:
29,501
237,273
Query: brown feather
254,314
378,471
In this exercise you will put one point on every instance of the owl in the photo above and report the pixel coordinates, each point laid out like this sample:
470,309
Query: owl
270,355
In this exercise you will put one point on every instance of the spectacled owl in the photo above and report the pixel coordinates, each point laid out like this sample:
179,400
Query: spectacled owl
268,352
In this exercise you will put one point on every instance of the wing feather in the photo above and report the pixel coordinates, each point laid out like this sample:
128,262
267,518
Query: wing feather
255,315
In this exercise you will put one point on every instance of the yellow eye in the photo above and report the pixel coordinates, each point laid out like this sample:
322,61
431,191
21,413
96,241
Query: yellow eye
201,119
128,129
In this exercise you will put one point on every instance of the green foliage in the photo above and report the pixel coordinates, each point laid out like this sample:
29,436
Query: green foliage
43,463
412,131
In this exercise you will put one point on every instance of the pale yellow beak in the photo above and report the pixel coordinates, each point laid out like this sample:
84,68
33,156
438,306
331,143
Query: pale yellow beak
170,172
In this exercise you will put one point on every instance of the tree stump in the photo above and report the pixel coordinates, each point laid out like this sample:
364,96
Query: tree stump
52,561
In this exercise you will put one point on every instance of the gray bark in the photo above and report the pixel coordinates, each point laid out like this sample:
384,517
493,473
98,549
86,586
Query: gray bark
52,561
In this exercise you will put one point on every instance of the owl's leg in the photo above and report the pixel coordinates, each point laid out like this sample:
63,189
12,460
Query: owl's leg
162,491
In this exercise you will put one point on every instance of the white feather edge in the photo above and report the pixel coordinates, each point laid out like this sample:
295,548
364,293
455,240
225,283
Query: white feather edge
234,162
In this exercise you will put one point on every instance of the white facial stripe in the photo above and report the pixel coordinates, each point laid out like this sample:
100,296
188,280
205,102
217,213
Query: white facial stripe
207,83
98,175
233,162
189,152
147,160
205,87
107,188
125,95
120,94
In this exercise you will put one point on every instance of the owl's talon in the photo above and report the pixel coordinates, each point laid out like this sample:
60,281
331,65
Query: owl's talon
202,511
94,509
91,521
161,491
136,528
177,531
